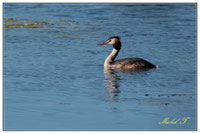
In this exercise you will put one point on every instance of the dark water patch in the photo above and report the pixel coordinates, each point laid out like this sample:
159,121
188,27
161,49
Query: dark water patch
169,95
62,15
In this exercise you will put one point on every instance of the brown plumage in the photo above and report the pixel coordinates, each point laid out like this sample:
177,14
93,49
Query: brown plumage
133,63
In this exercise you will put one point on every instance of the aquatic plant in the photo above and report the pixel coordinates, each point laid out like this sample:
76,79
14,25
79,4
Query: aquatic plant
53,27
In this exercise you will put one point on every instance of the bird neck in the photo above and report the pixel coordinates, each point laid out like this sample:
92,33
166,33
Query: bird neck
113,55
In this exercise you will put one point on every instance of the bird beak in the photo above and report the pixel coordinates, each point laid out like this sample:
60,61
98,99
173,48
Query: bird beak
103,43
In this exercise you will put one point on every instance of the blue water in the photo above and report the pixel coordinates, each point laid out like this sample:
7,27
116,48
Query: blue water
54,77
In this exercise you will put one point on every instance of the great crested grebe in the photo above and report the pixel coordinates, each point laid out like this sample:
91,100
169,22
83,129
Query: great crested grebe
125,63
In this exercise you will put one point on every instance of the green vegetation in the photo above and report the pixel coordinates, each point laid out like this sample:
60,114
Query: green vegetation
21,25
53,27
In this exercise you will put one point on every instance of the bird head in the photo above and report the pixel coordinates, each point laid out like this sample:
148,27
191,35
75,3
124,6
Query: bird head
112,40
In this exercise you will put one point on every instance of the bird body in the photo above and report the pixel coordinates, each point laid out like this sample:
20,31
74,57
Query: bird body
133,63
125,63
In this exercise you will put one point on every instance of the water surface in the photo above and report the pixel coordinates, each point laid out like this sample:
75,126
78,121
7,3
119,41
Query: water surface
54,77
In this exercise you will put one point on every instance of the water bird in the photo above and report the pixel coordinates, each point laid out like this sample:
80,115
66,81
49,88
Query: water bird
125,63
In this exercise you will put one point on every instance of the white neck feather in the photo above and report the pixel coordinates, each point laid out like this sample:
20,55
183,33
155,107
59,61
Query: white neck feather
111,58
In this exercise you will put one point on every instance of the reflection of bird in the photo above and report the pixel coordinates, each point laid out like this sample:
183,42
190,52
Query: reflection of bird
126,63
112,82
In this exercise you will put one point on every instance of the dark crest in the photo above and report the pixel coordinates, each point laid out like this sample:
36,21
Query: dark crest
117,45
114,37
